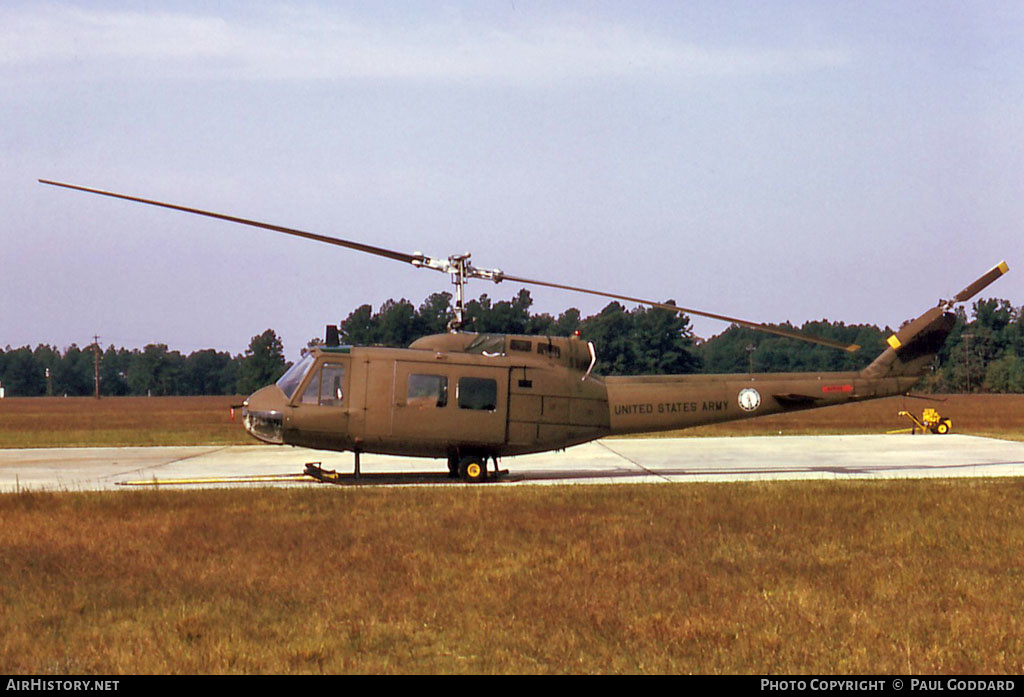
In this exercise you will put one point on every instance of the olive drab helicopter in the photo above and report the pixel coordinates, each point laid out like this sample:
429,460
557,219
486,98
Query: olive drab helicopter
473,398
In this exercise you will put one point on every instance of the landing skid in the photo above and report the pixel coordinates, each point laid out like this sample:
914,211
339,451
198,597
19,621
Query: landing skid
316,471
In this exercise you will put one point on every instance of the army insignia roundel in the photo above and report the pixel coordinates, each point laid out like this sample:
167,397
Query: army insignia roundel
749,399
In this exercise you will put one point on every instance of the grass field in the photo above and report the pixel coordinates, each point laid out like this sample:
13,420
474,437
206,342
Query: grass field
52,422
820,577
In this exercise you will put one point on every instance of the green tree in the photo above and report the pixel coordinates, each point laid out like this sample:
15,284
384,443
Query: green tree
74,373
360,328
263,362
1005,374
741,349
208,372
569,322
22,376
435,313
664,342
503,317
397,323
611,331
154,371
47,358
114,371
643,341
995,314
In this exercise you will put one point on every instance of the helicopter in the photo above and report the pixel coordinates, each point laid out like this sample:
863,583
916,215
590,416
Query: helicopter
472,398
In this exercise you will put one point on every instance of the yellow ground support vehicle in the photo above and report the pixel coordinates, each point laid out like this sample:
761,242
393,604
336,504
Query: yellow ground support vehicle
931,422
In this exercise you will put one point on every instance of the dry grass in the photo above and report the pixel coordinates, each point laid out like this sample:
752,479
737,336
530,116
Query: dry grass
821,577
40,422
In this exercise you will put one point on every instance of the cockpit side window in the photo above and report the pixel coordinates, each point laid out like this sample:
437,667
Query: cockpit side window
331,384
326,387
290,381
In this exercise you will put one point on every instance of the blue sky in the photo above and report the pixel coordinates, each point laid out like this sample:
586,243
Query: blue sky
769,160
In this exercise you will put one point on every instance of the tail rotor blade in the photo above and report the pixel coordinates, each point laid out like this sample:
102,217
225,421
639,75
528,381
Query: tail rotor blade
982,283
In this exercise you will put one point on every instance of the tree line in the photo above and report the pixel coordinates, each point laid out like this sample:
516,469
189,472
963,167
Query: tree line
984,352
151,371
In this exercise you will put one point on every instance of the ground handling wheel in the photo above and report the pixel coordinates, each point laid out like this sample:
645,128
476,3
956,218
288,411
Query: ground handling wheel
944,427
473,468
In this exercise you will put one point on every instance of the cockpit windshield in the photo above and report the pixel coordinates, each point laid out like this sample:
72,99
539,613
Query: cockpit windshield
289,382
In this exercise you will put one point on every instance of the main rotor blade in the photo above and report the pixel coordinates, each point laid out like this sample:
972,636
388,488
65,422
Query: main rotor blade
982,283
778,331
359,246
420,261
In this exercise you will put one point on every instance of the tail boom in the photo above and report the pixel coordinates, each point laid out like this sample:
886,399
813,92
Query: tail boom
659,403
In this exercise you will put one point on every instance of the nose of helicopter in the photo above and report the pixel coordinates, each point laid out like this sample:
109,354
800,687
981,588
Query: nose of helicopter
262,414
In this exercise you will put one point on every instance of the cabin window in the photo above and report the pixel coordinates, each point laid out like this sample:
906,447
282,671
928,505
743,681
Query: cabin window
549,350
427,391
520,345
487,345
325,388
478,393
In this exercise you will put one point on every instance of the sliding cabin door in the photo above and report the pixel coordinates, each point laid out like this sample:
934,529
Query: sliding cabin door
466,405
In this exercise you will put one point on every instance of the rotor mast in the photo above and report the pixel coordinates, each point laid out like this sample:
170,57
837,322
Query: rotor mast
458,267
460,262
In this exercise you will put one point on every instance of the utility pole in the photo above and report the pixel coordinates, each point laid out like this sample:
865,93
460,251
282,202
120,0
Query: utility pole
96,363
967,358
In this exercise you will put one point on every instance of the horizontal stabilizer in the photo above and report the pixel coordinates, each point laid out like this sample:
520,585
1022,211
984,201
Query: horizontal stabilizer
793,400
